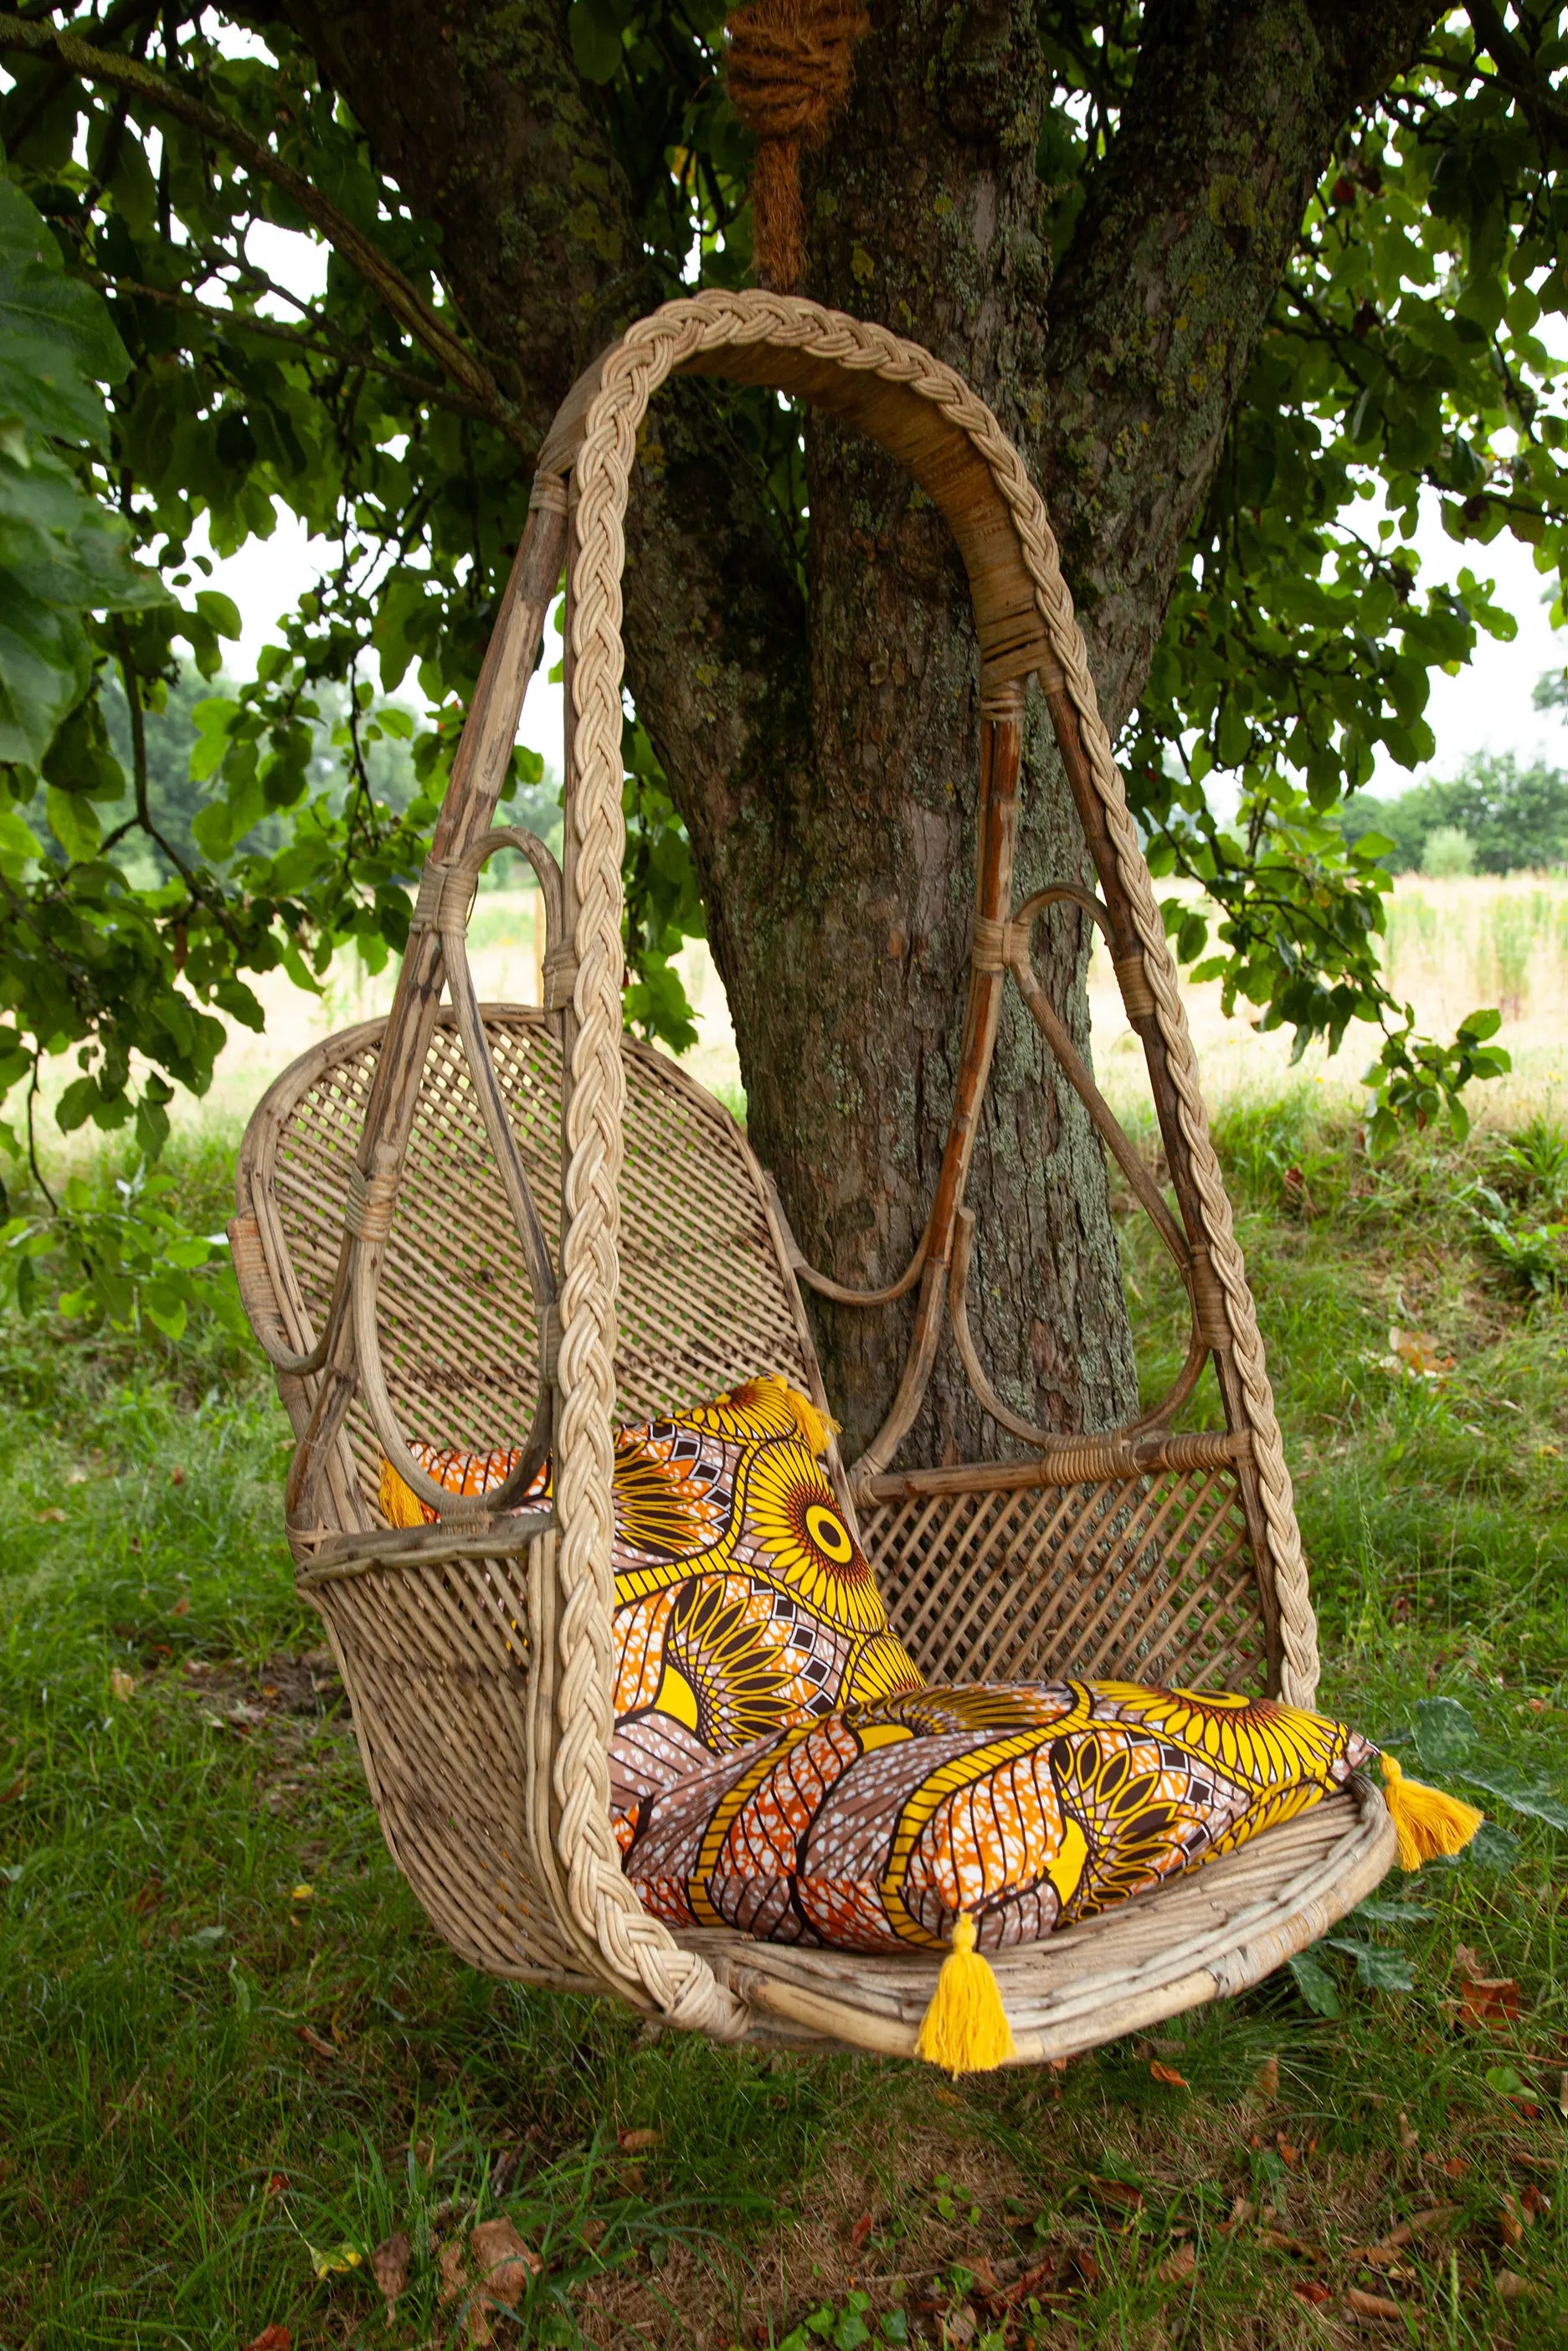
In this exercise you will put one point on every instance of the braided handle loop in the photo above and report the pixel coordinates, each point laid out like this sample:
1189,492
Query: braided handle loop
925,414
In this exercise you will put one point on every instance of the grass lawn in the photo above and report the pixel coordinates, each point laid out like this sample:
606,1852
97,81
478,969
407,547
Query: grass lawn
235,2060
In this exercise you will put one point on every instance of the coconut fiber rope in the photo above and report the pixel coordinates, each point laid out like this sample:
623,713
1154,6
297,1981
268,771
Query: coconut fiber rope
789,64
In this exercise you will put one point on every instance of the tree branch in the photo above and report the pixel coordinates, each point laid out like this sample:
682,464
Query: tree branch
1516,73
322,345
405,301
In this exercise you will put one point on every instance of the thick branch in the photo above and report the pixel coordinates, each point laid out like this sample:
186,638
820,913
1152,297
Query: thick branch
1177,258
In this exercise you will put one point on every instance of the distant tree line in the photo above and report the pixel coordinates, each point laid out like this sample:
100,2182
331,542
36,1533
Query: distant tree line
1495,815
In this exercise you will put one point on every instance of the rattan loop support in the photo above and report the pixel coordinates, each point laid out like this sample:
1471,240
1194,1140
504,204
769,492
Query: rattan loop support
371,1204
558,975
459,889
549,493
549,1344
1210,1317
1137,996
426,914
991,948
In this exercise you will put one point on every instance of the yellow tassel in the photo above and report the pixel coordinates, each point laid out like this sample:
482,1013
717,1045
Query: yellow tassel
815,1427
399,1503
966,2028
1425,1821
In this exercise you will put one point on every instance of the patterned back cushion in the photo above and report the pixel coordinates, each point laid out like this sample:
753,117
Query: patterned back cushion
744,1604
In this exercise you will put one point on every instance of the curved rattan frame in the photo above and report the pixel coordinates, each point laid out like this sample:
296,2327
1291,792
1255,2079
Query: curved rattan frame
1245,1913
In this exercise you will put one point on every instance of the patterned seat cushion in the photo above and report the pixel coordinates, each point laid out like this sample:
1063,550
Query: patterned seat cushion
779,1766
1029,1808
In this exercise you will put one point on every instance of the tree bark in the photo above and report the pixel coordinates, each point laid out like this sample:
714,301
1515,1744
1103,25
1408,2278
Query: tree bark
822,748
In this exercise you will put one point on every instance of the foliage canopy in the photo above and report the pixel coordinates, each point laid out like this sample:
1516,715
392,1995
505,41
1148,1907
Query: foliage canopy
155,381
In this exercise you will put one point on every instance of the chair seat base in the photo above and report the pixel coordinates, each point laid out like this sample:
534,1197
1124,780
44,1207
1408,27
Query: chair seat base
1212,1932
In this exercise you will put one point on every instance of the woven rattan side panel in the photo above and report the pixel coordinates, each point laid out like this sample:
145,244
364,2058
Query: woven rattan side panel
1148,1579
435,1661
704,1301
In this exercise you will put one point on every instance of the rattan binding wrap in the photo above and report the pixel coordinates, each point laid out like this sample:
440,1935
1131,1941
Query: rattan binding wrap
396,1187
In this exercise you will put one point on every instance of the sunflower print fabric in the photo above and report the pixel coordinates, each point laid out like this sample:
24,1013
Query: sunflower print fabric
777,1766
1028,1807
744,1604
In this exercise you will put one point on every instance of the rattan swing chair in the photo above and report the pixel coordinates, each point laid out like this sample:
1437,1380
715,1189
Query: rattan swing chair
396,1269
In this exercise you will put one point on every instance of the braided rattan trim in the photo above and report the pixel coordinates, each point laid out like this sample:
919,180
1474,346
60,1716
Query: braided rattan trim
602,1902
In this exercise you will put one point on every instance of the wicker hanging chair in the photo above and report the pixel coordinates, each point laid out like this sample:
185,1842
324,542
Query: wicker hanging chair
398,1274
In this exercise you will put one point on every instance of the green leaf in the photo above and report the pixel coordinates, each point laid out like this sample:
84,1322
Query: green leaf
596,43
1375,1967
1535,1802
1506,2082
1493,1847
1315,1984
1375,1913
57,342
73,824
1445,1734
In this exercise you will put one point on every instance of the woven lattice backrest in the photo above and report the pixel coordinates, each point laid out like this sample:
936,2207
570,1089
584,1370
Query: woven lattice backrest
706,1301
1145,1579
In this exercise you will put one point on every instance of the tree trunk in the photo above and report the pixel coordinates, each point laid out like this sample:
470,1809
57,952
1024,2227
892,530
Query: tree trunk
823,749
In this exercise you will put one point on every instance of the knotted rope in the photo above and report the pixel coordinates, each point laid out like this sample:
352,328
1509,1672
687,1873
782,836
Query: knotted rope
789,63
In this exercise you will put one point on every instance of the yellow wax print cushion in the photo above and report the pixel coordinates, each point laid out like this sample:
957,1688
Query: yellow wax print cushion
777,1766
744,1606
1023,1808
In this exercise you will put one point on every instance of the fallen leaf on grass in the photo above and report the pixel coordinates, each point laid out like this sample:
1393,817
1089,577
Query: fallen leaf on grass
303,1893
1486,2003
1312,2289
182,1606
276,2182
53,1516
313,2040
1241,2213
861,2231
9,1795
334,2262
1266,2080
390,2264
1418,1353
1279,2242
271,2338
1178,2265
1033,2280
454,2270
176,1477
1458,2165
122,1684
504,2262
1511,2286
634,2142
1513,2222
1168,2074
1409,2138
1117,2192
1371,2305
1289,2156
